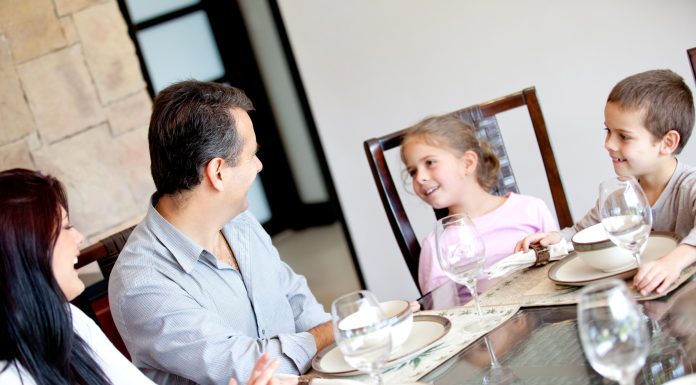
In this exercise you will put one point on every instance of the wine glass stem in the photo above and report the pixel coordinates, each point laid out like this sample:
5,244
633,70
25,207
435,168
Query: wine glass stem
377,376
474,295
637,257
491,352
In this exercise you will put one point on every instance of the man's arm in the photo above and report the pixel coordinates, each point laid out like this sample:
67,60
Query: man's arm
323,335
166,329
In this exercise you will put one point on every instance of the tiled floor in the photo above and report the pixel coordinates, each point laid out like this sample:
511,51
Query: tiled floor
322,256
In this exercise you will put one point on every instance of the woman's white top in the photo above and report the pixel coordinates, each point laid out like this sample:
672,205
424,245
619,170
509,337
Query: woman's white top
116,367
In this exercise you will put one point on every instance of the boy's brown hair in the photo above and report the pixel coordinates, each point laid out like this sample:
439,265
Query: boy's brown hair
665,99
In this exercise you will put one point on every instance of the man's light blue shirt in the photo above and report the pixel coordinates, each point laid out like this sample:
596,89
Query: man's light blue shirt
188,318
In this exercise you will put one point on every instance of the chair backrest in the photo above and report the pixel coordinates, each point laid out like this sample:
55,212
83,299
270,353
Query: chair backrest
692,59
94,301
482,116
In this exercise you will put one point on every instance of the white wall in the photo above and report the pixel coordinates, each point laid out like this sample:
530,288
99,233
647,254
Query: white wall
374,66
284,102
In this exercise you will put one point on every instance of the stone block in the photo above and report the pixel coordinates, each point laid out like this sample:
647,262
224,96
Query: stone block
69,30
109,51
15,117
16,154
64,7
32,27
61,93
129,113
107,180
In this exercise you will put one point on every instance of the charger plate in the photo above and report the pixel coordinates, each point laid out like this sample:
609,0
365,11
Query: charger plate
572,271
427,329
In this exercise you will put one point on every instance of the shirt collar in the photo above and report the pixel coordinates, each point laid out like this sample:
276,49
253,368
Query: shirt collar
185,251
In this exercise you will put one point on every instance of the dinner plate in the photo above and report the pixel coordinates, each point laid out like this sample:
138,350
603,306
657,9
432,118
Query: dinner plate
427,329
571,270
689,379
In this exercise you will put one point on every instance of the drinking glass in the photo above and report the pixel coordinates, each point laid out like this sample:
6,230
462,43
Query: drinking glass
625,213
612,331
362,332
461,253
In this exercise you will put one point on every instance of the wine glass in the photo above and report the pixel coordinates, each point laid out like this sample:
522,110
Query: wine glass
626,213
362,332
612,331
461,254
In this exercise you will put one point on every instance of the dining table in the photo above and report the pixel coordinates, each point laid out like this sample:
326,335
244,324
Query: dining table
539,342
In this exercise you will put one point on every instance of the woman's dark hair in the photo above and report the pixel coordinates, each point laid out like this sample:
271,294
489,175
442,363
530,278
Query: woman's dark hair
36,329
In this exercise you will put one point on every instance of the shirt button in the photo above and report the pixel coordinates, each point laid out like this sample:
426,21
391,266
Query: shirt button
263,331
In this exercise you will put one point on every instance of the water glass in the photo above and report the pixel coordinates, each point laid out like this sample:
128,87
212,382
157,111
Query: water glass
362,332
625,213
614,336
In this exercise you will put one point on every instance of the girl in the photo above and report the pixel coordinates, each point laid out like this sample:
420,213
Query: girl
44,339
450,168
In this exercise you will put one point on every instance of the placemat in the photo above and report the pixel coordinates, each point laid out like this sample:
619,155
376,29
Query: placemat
456,339
532,287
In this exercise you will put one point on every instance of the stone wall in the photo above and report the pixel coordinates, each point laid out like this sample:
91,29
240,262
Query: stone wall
73,103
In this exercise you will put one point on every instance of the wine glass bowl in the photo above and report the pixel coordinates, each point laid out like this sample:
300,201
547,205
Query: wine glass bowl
362,332
625,213
613,334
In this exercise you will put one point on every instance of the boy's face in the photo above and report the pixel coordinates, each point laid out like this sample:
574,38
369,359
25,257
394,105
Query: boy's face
634,151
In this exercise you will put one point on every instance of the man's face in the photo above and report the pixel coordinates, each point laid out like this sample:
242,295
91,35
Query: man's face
240,176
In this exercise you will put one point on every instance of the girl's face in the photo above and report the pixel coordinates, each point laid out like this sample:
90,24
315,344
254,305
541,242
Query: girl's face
65,254
439,177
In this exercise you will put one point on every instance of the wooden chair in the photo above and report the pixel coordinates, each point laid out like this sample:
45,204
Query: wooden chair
692,59
94,301
482,116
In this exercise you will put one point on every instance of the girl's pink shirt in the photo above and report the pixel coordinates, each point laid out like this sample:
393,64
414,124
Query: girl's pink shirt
501,229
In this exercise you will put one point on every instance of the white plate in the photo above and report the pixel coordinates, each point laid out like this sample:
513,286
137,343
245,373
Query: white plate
427,329
689,379
573,271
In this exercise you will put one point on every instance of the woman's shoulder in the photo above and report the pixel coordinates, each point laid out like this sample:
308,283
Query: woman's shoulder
14,375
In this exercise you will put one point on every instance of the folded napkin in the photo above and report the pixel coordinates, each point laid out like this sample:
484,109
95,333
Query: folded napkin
536,256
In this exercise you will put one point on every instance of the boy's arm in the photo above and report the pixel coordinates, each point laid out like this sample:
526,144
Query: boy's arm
660,274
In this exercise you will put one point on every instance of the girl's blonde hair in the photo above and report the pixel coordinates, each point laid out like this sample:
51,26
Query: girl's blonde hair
459,137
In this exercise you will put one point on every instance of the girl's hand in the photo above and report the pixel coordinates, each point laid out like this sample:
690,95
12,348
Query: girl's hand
544,239
263,373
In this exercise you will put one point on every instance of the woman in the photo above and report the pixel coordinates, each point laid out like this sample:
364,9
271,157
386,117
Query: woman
45,339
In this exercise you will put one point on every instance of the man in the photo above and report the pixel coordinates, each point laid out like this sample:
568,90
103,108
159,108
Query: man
199,293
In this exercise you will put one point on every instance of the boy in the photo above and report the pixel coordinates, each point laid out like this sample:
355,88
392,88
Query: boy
649,118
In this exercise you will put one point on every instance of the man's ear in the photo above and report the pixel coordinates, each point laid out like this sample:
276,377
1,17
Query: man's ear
213,173
670,142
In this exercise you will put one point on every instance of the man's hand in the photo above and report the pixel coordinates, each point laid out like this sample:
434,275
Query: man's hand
263,373
660,274
544,239
323,335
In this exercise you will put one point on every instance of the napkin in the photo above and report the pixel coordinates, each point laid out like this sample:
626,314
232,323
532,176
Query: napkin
522,259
